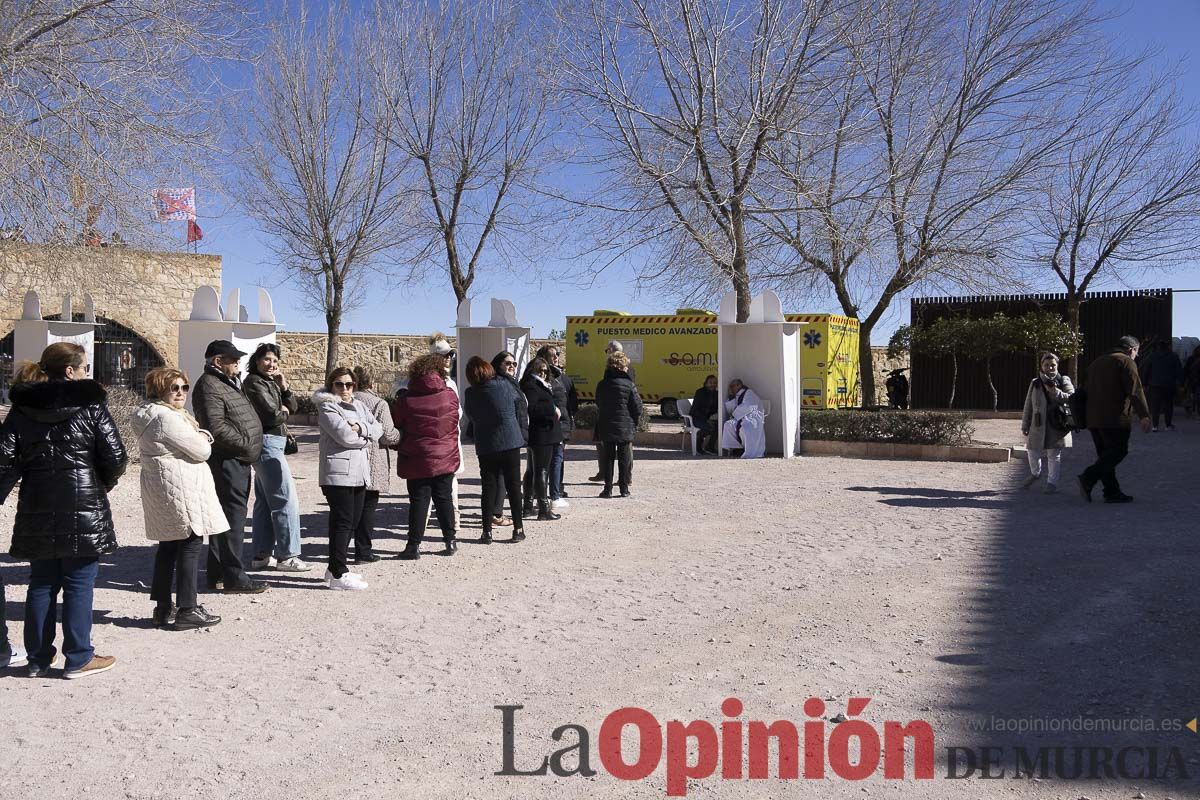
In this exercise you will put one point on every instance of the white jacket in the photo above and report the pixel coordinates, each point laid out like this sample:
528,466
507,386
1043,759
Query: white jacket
178,493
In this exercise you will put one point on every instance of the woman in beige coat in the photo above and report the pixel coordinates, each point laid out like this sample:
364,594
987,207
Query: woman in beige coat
179,498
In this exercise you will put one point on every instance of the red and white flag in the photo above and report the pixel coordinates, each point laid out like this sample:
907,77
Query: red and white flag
194,232
175,205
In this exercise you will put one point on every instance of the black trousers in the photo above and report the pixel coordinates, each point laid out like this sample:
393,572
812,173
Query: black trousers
421,492
366,525
1112,445
1162,404
618,454
539,462
5,647
177,562
225,562
345,511
500,474
527,493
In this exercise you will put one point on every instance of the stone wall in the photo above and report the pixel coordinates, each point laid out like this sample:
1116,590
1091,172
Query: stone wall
884,365
387,355
146,292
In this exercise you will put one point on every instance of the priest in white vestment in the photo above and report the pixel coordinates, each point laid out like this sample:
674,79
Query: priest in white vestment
743,429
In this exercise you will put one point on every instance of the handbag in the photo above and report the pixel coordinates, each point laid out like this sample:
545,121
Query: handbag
290,445
1060,416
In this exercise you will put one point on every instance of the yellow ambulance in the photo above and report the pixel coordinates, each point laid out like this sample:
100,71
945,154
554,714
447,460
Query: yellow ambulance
671,354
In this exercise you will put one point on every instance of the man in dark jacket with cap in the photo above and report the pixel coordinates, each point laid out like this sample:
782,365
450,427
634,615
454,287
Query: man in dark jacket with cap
237,433
1114,389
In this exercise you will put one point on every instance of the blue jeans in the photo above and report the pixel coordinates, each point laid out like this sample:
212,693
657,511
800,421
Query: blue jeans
75,577
556,472
276,523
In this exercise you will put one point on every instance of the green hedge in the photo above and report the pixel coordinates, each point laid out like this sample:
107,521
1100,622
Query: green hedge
896,427
585,418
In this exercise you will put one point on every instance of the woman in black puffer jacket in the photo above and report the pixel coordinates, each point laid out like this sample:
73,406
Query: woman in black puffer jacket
619,407
505,366
545,431
62,444
496,406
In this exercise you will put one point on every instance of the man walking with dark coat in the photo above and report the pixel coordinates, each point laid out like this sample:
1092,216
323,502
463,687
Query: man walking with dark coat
1114,390
237,433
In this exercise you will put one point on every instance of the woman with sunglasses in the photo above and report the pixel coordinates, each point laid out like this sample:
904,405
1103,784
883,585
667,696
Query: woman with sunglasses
505,366
545,431
179,498
60,441
276,519
344,472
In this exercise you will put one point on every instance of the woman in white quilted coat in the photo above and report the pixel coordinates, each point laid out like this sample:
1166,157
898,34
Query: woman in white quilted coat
179,498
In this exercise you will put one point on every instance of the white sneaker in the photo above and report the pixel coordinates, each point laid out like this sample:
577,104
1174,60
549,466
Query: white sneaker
264,563
347,583
293,564
18,658
560,503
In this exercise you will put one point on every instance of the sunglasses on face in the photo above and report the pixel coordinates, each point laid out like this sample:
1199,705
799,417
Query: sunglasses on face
344,385
181,387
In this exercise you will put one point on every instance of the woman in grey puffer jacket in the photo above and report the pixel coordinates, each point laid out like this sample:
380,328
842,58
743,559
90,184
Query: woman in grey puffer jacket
344,472
380,456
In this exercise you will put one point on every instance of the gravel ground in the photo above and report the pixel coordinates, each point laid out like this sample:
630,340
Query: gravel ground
941,591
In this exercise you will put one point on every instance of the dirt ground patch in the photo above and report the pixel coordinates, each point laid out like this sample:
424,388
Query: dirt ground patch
941,591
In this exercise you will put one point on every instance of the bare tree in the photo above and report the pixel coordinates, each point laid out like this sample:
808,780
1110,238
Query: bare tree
946,116
474,105
685,98
1127,196
102,100
323,180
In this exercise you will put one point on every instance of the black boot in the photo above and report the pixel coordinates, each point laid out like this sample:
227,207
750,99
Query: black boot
544,512
164,616
451,546
607,492
518,535
486,538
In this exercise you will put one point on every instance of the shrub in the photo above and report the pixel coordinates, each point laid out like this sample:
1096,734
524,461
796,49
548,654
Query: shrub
896,427
305,404
121,404
585,418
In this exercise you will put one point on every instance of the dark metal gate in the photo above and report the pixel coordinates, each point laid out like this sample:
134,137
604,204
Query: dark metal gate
1103,318
120,359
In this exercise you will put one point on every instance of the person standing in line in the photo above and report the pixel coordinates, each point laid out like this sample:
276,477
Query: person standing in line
620,407
344,472
613,346
545,432
1114,394
567,400
179,498
223,411
494,404
379,455
504,364
429,453
1045,440
275,526
1164,373
61,443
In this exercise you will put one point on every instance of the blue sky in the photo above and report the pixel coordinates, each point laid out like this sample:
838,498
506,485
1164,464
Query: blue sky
1171,25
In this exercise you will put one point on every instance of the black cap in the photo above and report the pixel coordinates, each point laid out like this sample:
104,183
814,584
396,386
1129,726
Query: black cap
222,347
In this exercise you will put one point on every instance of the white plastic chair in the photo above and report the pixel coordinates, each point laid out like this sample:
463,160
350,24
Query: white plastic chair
689,427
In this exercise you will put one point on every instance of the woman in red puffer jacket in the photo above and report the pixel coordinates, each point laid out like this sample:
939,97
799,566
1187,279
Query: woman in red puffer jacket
428,454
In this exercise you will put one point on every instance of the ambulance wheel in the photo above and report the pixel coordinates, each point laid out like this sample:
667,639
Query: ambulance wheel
669,409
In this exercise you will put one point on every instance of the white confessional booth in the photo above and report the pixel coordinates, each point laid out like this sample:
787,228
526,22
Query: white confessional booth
32,334
208,322
502,332
764,353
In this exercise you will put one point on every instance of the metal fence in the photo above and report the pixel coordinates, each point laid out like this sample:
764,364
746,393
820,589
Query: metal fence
1103,318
